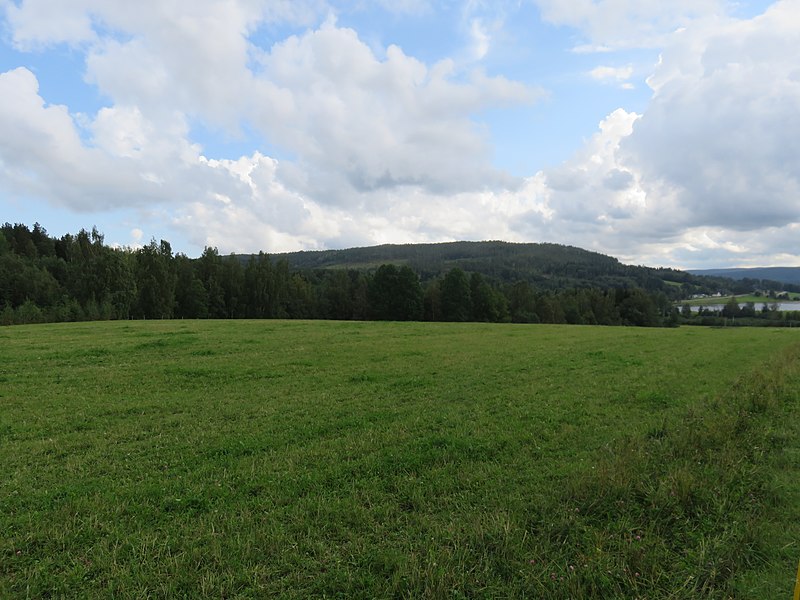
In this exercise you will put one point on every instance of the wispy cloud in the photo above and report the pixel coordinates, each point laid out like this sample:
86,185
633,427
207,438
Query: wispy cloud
618,75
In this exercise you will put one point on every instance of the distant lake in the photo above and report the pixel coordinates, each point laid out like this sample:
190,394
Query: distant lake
758,305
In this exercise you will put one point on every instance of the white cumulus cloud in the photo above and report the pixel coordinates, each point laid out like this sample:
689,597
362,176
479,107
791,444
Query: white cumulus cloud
712,166
377,145
367,136
618,75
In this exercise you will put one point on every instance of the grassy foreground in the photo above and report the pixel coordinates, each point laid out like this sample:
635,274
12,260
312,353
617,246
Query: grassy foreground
241,459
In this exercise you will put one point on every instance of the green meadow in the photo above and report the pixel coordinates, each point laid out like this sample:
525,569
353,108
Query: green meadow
292,459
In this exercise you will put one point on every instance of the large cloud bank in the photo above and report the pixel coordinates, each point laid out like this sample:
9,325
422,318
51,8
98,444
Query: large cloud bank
367,145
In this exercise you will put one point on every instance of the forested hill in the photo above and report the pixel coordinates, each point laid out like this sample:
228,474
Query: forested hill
72,278
547,266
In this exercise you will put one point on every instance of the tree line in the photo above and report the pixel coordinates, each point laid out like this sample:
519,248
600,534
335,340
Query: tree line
732,314
78,277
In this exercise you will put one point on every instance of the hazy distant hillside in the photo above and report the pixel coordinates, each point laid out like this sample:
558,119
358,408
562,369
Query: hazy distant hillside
783,274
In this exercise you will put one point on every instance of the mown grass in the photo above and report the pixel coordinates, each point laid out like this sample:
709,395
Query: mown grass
378,460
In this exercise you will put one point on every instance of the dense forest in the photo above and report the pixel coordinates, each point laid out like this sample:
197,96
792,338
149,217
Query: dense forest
78,277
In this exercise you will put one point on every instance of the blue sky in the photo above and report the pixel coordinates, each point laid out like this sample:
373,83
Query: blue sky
659,133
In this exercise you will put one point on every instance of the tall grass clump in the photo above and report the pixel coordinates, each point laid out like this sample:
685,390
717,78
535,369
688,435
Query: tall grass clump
691,509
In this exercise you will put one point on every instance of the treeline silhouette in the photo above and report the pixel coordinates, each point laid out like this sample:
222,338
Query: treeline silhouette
78,277
748,314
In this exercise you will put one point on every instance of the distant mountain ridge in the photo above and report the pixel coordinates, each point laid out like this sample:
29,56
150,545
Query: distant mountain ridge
789,275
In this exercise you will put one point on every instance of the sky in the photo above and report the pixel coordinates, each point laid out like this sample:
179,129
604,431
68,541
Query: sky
661,133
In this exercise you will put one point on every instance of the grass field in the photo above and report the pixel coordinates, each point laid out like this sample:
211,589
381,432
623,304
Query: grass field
248,459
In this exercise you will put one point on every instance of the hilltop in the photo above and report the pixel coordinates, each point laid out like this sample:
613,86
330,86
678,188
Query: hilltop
544,265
